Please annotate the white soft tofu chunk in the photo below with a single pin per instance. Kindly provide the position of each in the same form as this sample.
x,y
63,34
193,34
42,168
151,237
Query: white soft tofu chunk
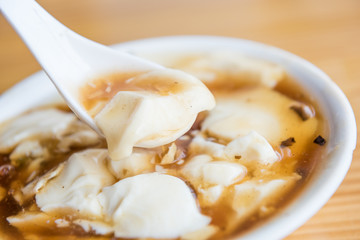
x,y
151,205
220,67
80,135
200,145
252,147
38,183
40,124
262,110
253,195
75,188
45,124
140,161
170,155
157,115
209,196
28,149
201,169
98,226
32,221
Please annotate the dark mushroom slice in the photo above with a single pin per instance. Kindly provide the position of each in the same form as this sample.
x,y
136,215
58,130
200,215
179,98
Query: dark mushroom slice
x,y
320,140
304,111
288,142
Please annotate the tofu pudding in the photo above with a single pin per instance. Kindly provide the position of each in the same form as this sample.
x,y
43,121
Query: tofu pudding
x,y
193,171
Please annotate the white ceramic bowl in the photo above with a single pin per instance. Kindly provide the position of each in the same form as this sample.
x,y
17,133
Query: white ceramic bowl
x,y
37,90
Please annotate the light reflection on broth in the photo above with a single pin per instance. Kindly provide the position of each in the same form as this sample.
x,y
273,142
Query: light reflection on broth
x,y
98,93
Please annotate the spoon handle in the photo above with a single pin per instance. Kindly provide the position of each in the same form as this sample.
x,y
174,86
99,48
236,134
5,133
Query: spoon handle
x,y
69,59
55,48
64,54
47,39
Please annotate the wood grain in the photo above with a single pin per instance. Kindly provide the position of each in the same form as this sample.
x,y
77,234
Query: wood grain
x,y
327,33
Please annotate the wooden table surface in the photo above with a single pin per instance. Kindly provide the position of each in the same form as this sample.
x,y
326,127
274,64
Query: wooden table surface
x,y
325,32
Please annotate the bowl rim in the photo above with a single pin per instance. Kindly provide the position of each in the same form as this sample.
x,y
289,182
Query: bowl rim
x,y
336,107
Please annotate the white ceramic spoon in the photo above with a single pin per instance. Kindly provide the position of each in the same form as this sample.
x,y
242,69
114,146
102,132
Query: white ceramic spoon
x,y
68,58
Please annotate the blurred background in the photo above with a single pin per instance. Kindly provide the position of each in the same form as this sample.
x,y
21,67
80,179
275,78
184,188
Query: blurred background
x,y
325,32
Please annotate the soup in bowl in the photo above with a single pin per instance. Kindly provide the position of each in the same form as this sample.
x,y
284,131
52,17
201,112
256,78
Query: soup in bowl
x,y
260,163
